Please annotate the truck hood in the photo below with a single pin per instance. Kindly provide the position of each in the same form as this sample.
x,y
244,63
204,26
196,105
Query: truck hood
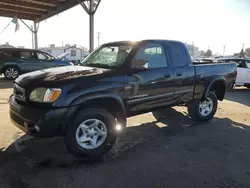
x,y
55,75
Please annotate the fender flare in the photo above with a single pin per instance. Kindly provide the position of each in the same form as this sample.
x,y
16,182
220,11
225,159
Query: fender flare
x,y
218,78
9,64
78,102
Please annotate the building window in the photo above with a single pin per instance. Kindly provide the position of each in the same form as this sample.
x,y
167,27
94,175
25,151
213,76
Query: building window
x,y
73,53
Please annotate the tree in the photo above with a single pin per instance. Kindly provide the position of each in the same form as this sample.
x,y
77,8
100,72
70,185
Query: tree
x,y
202,53
208,53
242,53
247,52
236,54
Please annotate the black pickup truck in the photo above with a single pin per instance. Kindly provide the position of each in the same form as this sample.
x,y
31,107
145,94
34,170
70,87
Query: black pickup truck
x,y
88,105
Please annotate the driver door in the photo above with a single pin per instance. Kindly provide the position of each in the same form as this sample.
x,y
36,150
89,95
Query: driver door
x,y
152,84
28,61
45,61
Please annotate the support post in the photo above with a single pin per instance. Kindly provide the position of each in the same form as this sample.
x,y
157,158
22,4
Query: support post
x,y
91,25
32,33
35,35
90,6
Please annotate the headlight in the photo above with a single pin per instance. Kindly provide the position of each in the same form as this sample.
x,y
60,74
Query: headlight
x,y
71,63
45,94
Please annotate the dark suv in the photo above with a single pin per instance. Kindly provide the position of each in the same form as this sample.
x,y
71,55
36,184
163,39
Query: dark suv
x,y
16,61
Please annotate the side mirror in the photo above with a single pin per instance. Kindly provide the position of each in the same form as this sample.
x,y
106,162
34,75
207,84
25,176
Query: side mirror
x,y
140,64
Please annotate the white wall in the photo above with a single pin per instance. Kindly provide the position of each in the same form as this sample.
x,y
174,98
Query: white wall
x,y
54,52
58,51
78,54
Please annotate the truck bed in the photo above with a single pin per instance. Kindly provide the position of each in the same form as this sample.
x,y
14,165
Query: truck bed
x,y
205,72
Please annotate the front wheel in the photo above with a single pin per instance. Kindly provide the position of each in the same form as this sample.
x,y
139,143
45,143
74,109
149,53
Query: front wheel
x,y
203,110
11,73
91,134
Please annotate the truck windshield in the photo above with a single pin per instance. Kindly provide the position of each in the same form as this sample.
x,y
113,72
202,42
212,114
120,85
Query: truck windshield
x,y
108,56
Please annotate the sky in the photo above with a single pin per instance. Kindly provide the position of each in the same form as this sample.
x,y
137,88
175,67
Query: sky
x,y
212,23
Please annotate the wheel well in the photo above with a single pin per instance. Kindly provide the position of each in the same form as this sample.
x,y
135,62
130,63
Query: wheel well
x,y
111,105
7,66
220,88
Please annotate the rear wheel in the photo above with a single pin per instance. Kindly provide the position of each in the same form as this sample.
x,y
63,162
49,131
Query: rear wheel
x,y
230,86
91,134
203,110
11,73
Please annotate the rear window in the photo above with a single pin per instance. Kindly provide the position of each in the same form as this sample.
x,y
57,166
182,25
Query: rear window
x,y
10,54
248,64
178,54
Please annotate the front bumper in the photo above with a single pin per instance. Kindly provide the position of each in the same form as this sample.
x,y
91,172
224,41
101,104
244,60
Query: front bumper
x,y
49,122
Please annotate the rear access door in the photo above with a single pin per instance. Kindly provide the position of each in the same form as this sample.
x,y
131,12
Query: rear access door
x,y
184,73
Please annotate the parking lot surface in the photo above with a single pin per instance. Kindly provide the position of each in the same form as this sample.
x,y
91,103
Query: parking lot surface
x,y
159,149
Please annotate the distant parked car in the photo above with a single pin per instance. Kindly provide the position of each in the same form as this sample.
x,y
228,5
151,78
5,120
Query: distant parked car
x,y
16,61
243,70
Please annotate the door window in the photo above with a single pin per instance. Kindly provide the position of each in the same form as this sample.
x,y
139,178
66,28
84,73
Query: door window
x,y
150,56
73,53
41,56
6,54
248,64
28,55
11,54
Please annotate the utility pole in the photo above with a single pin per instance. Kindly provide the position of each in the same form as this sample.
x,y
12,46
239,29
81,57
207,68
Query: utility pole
x,y
98,37
35,35
224,49
193,48
243,47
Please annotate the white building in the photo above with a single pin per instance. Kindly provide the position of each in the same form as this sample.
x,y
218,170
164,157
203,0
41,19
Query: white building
x,y
75,53
7,45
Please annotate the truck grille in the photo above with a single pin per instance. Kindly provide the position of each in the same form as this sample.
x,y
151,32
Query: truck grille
x,y
19,92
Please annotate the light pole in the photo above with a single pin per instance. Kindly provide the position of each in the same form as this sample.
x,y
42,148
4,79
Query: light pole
x,y
193,48
224,49
98,37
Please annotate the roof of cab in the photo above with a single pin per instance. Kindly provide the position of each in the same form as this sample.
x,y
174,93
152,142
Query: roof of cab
x,y
145,40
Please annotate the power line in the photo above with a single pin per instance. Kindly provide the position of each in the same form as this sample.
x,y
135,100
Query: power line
x,y
5,27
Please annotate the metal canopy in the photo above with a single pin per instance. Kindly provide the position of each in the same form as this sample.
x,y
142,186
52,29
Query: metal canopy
x,y
39,10
36,10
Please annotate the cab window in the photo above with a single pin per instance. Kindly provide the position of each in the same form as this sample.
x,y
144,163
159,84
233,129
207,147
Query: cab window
x,y
44,56
150,56
28,55
41,56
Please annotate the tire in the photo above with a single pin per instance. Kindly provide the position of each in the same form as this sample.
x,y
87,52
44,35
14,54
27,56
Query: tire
x,y
230,86
194,108
11,73
83,149
247,85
